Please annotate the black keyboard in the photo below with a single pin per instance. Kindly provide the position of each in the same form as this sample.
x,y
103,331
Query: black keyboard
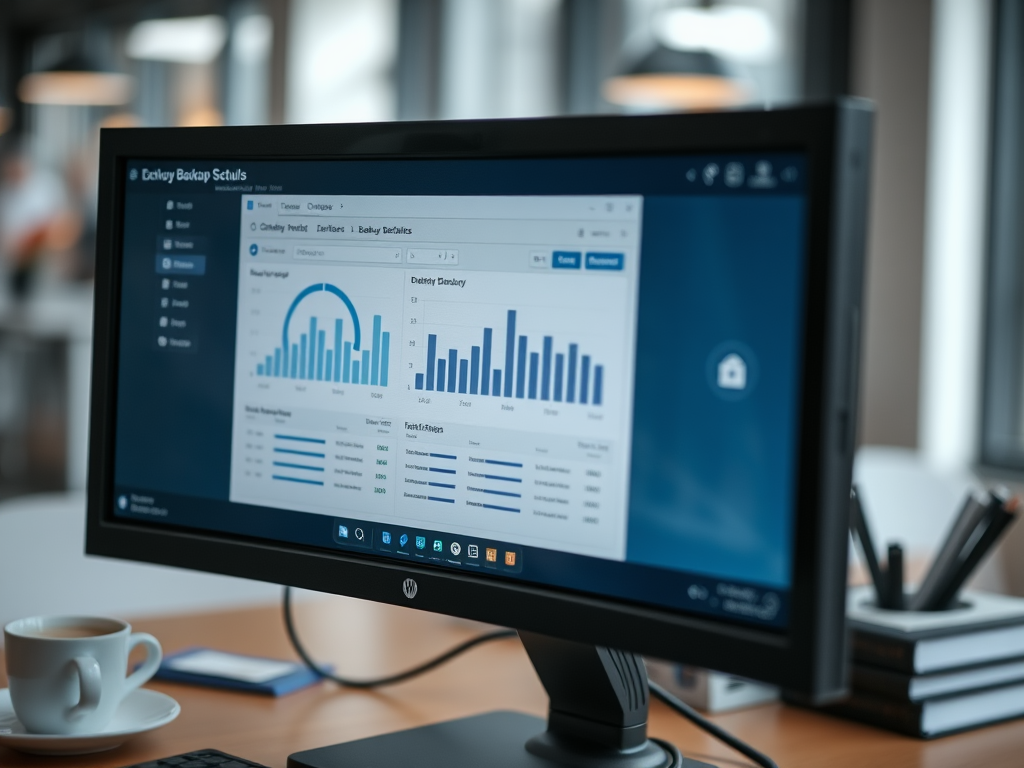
x,y
201,758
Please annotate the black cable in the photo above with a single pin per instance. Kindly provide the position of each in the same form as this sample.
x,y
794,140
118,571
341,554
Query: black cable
x,y
501,634
706,725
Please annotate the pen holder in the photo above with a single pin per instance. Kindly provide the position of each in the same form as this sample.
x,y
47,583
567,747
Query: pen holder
x,y
975,531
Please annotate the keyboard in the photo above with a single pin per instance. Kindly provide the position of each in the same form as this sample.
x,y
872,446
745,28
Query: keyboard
x,y
201,758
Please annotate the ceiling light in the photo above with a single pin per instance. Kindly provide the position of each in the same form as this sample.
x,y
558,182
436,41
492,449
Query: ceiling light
x,y
190,40
75,82
735,32
672,79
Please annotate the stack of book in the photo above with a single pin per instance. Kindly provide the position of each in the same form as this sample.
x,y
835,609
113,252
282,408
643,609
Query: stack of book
x,y
931,673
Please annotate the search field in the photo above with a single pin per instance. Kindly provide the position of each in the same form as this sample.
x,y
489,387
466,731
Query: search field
x,y
433,256
348,253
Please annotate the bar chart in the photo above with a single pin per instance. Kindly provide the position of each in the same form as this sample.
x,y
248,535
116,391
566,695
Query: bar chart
x,y
312,355
529,368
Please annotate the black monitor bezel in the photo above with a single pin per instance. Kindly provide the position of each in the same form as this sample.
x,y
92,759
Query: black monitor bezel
x,y
808,656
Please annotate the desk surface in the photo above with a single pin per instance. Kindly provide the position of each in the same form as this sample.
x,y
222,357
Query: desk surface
x,y
368,639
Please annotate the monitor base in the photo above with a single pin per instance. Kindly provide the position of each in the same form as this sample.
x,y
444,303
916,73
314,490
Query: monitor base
x,y
495,740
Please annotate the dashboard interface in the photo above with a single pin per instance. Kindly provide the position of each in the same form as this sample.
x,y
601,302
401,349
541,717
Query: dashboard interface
x,y
582,373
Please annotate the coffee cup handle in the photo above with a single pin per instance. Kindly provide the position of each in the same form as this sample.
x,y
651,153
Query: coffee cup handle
x,y
154,655
90,685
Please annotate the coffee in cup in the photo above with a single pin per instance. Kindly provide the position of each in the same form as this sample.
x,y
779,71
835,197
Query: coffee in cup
x,y
67,674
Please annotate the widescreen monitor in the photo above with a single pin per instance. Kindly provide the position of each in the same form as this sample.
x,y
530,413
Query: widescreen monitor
x,y
590,378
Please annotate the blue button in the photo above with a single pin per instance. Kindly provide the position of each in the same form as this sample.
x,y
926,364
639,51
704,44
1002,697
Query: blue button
x,y
254,249
605,261
566,259
180,265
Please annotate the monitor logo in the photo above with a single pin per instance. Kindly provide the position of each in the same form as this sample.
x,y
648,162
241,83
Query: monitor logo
x,y
409,588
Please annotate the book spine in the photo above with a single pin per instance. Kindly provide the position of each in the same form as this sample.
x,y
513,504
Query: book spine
x,y
902,717
881,682
880,651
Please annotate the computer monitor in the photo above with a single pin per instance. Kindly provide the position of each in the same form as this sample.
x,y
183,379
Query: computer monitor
x,y
590,378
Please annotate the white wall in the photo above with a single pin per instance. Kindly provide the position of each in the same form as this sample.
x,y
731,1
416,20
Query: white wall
x,y
43,570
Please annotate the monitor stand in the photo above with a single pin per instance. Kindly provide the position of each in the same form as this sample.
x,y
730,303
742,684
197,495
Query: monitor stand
x,y
597,719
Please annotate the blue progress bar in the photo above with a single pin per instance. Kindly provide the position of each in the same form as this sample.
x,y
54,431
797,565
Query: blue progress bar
x,y
499,477
301,439
503,463
444,456
447,501
503,509
502,493
300,453
297,466
442,485
446,471
298,480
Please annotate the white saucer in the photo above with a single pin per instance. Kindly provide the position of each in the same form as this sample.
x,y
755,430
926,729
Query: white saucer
x,y
140,711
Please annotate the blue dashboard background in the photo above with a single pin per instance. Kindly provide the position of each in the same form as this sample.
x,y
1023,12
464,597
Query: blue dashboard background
x,y
712,479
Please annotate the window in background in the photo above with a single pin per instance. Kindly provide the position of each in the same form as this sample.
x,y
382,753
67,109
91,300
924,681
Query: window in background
x,y
341,55
1003,421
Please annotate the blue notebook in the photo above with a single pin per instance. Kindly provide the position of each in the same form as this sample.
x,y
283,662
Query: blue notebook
x,y
219,669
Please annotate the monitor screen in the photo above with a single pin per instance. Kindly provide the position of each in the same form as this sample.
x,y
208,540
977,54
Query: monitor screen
x,y
576,373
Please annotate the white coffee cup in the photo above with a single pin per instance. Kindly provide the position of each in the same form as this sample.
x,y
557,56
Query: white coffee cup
x,y
67,674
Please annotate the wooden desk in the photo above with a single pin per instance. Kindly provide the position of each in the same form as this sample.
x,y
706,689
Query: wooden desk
x,y
368,639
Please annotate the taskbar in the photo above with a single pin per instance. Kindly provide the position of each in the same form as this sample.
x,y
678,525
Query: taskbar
x,y
739,602
428,546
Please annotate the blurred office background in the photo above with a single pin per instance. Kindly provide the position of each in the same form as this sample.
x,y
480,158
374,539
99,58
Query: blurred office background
x,y
943,341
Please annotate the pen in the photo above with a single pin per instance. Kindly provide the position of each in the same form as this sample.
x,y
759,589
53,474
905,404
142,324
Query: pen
x,y
894,578
945,559
999,513
859,525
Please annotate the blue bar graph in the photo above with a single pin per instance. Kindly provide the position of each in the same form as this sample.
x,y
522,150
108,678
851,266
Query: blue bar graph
x,y
584,378
570,384
521,369
336,372
312,358
474,370
320,336
375,370
486,374
532,371
312,347
510,345
559,369
431,355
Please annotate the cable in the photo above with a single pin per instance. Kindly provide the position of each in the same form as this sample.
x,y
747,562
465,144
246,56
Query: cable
x,y
501,634
706,725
